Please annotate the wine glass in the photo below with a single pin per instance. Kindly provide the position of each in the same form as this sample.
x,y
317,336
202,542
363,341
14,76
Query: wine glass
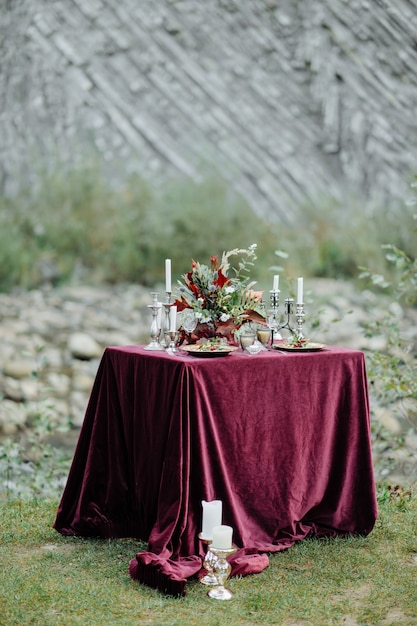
x,y
189,322
272,321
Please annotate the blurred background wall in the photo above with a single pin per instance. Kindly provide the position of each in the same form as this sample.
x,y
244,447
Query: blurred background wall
x,y
284,100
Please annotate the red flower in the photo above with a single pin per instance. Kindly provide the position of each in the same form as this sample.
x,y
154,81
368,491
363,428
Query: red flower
x,y
221,279
214,261
181,304
189,282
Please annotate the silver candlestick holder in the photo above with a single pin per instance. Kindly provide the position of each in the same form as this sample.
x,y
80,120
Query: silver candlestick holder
x,y
289,309
273,315
221,569
300,315
155,326
208,563
274,299
172,336
166,322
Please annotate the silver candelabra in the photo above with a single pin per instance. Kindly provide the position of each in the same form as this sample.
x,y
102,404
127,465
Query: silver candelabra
x,y
273,317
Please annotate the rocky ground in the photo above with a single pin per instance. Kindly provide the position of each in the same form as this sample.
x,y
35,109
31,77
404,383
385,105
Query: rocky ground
x,y
52,341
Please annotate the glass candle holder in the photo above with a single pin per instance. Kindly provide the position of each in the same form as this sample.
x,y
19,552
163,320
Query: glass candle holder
x,y
221,569
208,563
247,339
264,335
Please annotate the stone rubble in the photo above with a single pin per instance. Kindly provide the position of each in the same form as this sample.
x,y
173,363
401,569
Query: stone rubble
x,y
52,340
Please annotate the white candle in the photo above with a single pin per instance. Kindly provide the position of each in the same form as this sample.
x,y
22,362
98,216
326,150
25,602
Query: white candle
x,y
212,516
276,283
222,537
168,275
300,291
172,318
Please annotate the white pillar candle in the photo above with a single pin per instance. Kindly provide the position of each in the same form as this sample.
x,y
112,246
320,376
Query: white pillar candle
x,y
212,516
276,283
168,275
300,291
222,537
172,318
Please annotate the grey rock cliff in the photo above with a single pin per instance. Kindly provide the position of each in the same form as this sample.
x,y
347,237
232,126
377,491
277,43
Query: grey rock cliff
x,y
287,101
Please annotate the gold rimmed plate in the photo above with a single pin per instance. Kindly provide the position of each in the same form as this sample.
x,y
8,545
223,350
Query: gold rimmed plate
x,y
308,347
201,350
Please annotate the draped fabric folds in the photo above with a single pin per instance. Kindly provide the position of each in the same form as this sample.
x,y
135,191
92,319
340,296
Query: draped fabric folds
x,y
282,439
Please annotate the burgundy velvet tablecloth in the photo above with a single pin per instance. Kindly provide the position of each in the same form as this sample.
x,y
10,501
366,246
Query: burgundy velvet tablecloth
x,y
283,439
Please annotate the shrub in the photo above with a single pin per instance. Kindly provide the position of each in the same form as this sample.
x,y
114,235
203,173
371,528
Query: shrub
x,y
74,225
394,371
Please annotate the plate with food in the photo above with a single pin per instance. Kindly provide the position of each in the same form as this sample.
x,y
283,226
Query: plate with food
x,y
210,348
303,345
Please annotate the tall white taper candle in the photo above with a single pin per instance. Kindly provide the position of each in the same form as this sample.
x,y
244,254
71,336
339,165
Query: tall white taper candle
x,y
168,275
300,291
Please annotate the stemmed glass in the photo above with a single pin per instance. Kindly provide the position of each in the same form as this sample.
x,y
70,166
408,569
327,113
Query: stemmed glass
x,y
189,322
272,321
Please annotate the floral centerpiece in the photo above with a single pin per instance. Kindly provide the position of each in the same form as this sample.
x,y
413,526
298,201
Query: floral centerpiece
x,y
221,295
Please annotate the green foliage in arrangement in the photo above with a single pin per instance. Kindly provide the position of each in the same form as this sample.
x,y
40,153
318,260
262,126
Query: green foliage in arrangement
x,y
74,226
53,580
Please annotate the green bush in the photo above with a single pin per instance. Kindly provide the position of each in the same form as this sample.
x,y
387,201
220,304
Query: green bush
x,y
394,371
336,238
75,226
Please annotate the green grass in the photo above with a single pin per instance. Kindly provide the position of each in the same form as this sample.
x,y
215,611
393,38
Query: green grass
x,y
48,579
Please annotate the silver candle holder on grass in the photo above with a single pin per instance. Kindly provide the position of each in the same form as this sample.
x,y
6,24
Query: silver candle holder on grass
x,y
221,570
208,562
219,547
